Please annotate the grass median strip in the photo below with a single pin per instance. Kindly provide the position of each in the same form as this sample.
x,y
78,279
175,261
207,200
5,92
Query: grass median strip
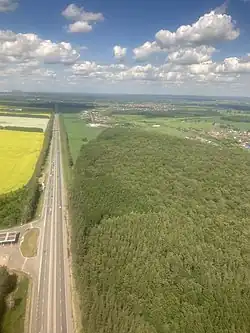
x,y
29,243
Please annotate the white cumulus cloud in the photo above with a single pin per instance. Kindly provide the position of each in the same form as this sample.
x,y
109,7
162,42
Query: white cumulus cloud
x,y
23,47
188,56
119,52
8,5
147,49
231,65
209,29
79,26
82,20
234,65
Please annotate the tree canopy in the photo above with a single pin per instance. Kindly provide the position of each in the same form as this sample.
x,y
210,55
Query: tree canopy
x,y
161,235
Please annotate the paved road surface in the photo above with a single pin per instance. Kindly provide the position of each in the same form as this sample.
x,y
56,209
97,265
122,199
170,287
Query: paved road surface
x,y
51,301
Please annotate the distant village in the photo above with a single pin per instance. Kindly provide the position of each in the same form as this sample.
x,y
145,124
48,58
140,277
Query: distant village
x,y
97,118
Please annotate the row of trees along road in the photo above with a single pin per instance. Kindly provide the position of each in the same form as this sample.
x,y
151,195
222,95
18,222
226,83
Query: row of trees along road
x,y
161,235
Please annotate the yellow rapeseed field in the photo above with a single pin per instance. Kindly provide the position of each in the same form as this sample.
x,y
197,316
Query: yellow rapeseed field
x,y
18,156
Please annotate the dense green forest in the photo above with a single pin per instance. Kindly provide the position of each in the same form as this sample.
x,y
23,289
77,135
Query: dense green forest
x,y
161,235
20,206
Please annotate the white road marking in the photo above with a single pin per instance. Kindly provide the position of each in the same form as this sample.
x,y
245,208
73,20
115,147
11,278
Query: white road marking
x,y
55,243
51,266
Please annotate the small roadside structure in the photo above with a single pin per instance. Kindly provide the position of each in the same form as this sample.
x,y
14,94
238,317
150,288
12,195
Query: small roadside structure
x,y
9,237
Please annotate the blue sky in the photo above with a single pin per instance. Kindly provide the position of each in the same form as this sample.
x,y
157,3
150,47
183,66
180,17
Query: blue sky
x,y
210,54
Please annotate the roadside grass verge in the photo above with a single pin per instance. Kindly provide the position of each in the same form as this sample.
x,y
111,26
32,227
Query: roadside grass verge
x,y
29,245
14,318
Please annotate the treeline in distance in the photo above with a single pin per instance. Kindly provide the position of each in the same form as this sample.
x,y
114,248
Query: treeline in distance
x,y
24,115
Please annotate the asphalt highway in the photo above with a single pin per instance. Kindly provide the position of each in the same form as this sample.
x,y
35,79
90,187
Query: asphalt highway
x,y
51,300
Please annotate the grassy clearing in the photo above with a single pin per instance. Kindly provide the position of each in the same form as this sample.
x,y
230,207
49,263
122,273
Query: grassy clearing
x,y
29,244
13,320
78,130
179,127
19,152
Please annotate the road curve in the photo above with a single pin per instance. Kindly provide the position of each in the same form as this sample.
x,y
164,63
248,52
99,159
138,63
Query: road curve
x,y
51,310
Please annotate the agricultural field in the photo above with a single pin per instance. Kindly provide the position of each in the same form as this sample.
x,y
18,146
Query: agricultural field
x,y
79,132
24,122
19,152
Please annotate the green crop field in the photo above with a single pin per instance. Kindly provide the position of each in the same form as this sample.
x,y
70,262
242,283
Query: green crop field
x,y
78,132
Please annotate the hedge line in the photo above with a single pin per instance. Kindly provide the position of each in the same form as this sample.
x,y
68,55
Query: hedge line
x,y
23,115
23,129
19,206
